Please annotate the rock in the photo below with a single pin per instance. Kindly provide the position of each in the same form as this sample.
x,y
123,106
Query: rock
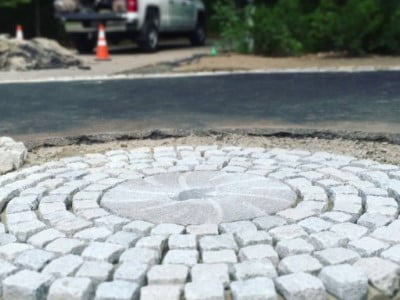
x,y
12,154
71,288
345,282
300,286
26,285
36,54
257,288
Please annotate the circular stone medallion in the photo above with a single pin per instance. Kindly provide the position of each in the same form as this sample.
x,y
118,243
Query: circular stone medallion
x,y
198,197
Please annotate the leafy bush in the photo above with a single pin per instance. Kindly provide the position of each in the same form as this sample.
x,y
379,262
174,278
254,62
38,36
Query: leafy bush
x,y
290,27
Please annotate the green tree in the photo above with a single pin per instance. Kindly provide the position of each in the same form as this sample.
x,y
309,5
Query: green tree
x,y
13,3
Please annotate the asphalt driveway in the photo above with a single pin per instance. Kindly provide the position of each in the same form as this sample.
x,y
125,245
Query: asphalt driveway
x,y
366,101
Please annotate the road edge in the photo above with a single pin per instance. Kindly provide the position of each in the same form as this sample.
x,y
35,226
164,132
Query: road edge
x,y
159,134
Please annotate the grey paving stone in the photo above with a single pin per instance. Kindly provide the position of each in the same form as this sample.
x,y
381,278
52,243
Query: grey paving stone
x,y
202,229
393,254
29,285
350,230
44,237
182,241
161,292
235,227
373,220
259,252
34,259
153,242
220,242
382,274
336,217
287,232
210,272
314,224
63,266
6,269
254,268
300,286
113,223
219,256
368,246
12,250
167,274
294,215
387,234
303,263
97,234
181,257
23,231
103,252
254,289
327,239
96,271
71,288
131,271
66,246
124,238
6,238
293,247
140,255
204,291
167,229
248,238
117,290
345,282
335,256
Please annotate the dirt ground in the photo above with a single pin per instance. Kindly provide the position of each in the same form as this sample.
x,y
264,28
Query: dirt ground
x,y
229,62
381,152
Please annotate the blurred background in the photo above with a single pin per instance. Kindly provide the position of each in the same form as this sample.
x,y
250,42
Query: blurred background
x,y
273,27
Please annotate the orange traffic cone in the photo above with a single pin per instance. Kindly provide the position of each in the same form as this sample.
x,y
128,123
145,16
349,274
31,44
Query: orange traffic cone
x,y
102,48
19,34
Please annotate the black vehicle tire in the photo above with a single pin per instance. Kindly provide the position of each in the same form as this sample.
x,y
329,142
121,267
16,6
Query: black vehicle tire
x,y
198,36
149,36
84,43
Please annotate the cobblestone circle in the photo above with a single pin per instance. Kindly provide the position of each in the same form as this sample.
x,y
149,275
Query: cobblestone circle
x,y
202,223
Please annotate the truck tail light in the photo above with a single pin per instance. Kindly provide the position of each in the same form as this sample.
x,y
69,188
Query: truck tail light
x,y
132,5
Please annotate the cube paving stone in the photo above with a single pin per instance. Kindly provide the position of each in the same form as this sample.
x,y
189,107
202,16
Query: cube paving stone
x,y
96,271
26,284
345,282
161,292
248,238
300,286
254,268
335,256
63,266
299,263
293,247
117,290
204,291
259,252
254,289
34,259
103,252
71,288
220,256
210,272
167,274
184,257
131,271
166,216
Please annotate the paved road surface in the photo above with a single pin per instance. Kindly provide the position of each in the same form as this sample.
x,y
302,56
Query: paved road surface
x,y
367,101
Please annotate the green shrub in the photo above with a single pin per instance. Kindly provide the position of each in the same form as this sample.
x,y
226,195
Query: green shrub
x,y
290,27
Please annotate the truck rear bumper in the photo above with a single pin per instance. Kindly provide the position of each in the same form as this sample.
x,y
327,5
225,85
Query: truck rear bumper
x,y
88,22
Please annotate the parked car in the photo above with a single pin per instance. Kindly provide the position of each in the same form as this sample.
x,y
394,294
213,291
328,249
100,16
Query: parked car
x,y
143,21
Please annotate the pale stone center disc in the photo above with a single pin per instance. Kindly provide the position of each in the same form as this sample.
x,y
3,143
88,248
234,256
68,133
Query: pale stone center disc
x,y
198,197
